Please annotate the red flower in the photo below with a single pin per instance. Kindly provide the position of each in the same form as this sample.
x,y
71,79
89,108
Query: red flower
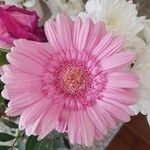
x,y
16,23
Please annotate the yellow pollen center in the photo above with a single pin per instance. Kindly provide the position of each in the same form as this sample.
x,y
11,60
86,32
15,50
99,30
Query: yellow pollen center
x,y
112,21
74,80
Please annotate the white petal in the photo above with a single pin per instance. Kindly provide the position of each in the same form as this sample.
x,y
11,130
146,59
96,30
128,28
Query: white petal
x,y
146,31
148,118
29,3
120,16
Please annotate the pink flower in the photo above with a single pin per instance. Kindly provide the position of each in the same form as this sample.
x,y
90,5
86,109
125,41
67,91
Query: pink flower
x,y
77,83
18,23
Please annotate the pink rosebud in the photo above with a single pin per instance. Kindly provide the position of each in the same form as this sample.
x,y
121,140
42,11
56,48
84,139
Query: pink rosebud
x,y
16,23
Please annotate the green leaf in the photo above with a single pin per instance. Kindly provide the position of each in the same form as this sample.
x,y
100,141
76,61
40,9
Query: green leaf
x,y
2,103
45,144
21,145
1,85
9,123
31,143
52,146
3,59
2,100
66,142
4,147
6,137
4,50
59,143
54,134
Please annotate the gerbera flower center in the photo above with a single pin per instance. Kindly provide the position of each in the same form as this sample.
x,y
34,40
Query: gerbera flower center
x,y
74,79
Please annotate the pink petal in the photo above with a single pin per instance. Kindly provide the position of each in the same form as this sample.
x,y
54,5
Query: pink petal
x,y
51,34
115,111
114,47
101,120
117,60
125,97
79,123
103,44
33,112
63,30
49,120
22,62
25,99
41,52
31,129
84,33
13,112
122,80
96,34
63,121
76,31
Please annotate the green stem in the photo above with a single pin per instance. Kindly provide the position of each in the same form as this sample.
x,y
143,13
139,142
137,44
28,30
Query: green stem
x,y
17,135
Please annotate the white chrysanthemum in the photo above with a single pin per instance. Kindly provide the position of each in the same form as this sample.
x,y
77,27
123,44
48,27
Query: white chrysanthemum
x,y
119,15
28,3
146,31
136,45
142,68
73,7
13,2
70,7
21,3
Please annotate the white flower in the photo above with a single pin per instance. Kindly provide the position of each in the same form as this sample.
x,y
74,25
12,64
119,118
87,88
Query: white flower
x,y
70,7
73,7
142,68
146,31
21,3
42,9
136,45
13,2
28,3
119,15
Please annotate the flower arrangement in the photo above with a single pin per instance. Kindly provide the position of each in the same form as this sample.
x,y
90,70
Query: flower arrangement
x,y
71,71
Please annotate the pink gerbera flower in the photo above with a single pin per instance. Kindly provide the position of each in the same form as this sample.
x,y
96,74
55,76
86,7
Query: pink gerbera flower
x,y
77,83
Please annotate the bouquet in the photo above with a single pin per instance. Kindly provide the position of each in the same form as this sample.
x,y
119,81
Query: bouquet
x,y
71,70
